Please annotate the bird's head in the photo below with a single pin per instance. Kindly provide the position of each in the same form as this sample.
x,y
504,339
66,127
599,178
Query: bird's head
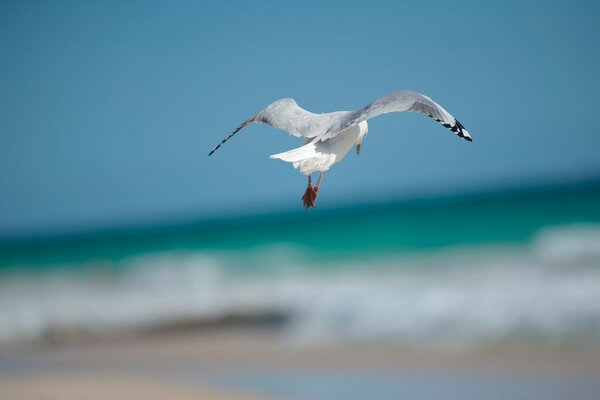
x,y
362,134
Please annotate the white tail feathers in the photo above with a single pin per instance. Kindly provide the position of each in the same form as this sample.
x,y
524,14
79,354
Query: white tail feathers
x,y
298,154
307,158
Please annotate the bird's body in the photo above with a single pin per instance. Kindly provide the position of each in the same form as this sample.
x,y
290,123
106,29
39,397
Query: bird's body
x,y
328,137
318,156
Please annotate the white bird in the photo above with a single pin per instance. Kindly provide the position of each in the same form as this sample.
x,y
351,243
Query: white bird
x,y
329,137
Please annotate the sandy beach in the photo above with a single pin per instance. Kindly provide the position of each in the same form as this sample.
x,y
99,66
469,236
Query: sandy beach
x,y
259,364
100,385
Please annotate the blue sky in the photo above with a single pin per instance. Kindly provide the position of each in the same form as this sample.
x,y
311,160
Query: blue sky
x,y
108,109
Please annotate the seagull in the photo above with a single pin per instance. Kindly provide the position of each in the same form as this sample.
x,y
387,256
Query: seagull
x,y
328,137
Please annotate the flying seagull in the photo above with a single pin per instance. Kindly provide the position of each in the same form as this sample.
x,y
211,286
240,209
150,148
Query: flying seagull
x,y
329,137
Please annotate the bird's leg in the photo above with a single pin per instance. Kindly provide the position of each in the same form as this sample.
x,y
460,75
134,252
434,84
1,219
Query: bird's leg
x,y
319,182
310,196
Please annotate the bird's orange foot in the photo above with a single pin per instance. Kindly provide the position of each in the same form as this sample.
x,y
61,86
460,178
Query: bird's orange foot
x,y
310,196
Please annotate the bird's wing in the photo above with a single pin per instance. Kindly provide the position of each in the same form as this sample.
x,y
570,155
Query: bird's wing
x,y
401,101
239,128
287,115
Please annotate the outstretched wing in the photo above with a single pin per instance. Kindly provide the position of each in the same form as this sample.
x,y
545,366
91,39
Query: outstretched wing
x,y
239,128
401,101
287,115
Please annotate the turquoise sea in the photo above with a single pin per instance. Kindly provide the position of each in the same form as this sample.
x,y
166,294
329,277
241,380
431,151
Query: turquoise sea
x,y
461,269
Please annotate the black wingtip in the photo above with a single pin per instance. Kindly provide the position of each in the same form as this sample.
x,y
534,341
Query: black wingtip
x,y
239,128
468,139
217,147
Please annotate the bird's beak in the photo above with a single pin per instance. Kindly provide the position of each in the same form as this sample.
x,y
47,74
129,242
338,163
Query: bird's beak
x,y
357,148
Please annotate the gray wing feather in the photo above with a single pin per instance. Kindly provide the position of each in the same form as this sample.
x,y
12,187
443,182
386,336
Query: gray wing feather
x,y
401,101
239,128
287,115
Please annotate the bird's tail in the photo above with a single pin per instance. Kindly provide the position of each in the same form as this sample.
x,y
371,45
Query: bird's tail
x,y
308,150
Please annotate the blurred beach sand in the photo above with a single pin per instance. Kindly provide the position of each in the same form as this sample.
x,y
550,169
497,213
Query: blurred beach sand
x,y
100,385
258,364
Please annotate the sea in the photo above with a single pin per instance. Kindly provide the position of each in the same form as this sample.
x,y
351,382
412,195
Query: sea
x,y
455,270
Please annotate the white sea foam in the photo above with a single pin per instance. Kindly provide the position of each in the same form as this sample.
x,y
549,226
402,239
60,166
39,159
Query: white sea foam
x,y
569,245
460,295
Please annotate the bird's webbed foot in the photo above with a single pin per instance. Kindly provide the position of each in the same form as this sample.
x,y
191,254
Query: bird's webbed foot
x,y
310,196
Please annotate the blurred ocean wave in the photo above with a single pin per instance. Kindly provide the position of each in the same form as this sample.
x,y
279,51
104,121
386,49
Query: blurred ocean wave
x,y
569,245
547,288
520,265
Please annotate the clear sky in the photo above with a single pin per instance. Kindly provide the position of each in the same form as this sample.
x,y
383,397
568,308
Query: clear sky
x,y
108,109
